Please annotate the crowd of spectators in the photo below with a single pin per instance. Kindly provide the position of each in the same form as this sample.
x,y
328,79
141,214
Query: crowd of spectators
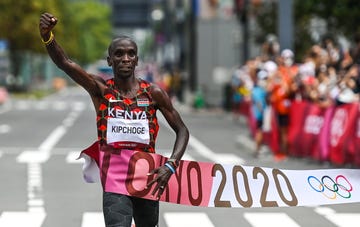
x,y
327,75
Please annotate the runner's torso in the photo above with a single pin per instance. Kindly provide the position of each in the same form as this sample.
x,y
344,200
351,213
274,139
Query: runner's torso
x,y
127,123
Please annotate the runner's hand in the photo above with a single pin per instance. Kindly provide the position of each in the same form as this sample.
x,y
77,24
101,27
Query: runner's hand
x,y
163,175
46,24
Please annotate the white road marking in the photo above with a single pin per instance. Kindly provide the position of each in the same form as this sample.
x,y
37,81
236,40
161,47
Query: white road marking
x,y
93,219
72,156
60,105
5,107
41,105
35,197
53,138
193,219
5,129
79,106
265,219
18,219
339,219
33,157
23,105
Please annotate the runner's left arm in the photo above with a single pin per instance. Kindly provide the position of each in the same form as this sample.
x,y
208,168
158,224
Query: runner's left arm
x,y
173,118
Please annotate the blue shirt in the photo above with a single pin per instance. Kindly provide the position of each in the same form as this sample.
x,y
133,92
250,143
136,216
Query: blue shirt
x,y
258,97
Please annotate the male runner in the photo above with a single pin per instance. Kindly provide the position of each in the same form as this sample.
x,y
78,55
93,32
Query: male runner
x,y
126,119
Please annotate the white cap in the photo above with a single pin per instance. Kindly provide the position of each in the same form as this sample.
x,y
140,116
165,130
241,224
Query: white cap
x,y
307,69
287,53
262,74
270,66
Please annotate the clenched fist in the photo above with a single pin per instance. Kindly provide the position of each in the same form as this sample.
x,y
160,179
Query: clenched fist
x,y
46,24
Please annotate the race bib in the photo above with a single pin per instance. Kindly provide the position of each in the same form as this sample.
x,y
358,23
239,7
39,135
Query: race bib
x,y
125,130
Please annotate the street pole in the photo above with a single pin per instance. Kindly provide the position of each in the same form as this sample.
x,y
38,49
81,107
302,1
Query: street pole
x,y
193,46
245,25
286,24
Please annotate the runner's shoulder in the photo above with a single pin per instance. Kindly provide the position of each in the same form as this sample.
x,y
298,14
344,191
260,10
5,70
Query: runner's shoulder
x,y
98,79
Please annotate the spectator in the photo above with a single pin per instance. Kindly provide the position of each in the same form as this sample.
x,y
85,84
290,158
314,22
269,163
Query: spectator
x,y
346,87
335,54
288,71
258,105
279,92
324,86
270,48
236,97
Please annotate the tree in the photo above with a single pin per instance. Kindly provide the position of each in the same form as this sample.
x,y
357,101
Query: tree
x,y
84,35
339,15
87,33
19,26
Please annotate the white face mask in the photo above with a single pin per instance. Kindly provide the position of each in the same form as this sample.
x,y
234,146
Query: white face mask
x,y
262,83
288,61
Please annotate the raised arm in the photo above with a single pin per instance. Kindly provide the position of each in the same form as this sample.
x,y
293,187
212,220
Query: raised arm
x,y
57,54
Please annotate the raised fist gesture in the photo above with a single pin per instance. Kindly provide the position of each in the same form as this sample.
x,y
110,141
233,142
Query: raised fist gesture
x,y
46,24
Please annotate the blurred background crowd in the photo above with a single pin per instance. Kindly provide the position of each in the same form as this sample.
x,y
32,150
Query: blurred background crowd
x,y
327,76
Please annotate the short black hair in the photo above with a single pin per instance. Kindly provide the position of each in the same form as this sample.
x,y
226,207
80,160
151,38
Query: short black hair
x,y
121,37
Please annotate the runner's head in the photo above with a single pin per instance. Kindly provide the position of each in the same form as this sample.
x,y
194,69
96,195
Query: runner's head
x,y
123,56
120,38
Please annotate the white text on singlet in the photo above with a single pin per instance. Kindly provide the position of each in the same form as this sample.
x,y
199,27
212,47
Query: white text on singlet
x,y
127,126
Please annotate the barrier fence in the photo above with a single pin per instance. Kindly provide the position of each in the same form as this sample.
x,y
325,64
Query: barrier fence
x,y
325,134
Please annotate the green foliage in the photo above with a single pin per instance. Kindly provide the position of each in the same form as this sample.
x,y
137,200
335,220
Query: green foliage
x,y
341,17
19,22
266,19
84,28
88,30
339,14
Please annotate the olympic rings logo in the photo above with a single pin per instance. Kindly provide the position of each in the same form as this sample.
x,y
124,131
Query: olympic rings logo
x,y
331,188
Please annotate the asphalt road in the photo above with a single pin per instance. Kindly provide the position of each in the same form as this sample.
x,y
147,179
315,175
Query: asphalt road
x,y
42,186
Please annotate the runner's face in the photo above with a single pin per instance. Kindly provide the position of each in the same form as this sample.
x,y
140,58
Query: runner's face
x,y
123,58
